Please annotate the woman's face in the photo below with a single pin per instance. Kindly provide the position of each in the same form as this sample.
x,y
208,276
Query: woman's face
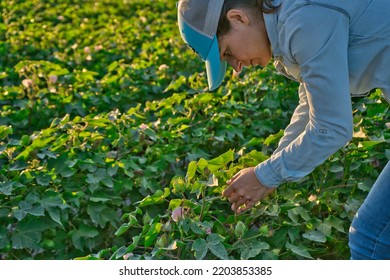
x,y
247,43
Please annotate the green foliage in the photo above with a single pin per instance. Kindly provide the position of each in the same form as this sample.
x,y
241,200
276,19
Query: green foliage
x,y
112,148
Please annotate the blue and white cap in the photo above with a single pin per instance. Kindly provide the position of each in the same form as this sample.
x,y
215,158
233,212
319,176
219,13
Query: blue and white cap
x,y
198,23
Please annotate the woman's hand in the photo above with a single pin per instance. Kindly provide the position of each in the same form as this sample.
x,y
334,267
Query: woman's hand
x,y
244,190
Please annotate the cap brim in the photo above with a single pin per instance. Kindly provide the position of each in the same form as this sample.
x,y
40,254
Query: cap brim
x,y
215,68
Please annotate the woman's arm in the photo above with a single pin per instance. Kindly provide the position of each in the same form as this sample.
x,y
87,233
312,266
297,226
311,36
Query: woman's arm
x,y
317,39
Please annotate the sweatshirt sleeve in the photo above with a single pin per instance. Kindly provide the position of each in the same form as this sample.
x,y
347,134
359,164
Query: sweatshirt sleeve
x,y
298,121
316,38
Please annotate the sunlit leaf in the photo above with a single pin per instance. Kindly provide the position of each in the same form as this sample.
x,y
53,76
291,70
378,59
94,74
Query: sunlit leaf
x,y
220,161
152,233
191,171
157,198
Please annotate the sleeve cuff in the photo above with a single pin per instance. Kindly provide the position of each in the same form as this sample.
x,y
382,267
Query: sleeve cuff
x,y
267,176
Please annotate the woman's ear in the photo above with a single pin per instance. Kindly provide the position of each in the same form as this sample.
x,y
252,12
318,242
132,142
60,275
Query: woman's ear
x,y
236,16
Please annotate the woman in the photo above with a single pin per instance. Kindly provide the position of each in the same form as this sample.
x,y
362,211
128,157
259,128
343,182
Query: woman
x,y
335,49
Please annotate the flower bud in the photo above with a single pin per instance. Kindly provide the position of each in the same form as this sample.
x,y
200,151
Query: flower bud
x,y
177,214
28,83
98,48
53,79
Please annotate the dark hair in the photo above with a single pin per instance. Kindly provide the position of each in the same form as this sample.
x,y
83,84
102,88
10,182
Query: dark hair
x,y
264,6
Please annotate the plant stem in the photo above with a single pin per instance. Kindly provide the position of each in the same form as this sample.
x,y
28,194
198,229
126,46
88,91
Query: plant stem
x,y
203,204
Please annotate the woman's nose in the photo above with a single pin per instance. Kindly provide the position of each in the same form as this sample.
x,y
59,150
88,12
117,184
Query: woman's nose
x,y
236,64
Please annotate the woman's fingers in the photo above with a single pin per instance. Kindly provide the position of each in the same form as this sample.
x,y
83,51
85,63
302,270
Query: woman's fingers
x,y
242,205
238,203
234,197
229,182
231,189
248,205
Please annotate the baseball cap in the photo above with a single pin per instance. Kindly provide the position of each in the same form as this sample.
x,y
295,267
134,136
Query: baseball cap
x,y
198,23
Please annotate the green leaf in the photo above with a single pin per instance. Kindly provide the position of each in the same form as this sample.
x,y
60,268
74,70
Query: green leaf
x,y
112,170
194,226
365,185
18,166
214,239
19,214
252,249
203,97
67,172
77,241
21,240
43,179
315,236
39,142
158,197
370,144
273,138
124,227
200,247
87,258
336,168
27,208
220,161
36,211
191,171
101,214
3,237
293,233
133,245
113,66
52,199
296,212
325,228
174,203
107,182
7,188
149,132
99,199
55,215
5,131
196,186
28,233
119,253
259,156
293,215
88,231
299,250
152,233
303,213
3,75
202,164
254,142
4,212
218,250
184,225
387,153
335,223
